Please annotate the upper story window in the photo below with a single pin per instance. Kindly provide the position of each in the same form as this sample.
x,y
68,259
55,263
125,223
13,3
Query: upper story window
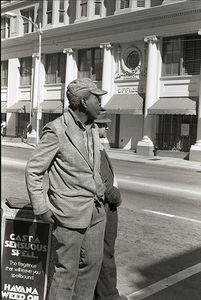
x,y
49,11
25,70
55,68
61,11
4,73
83,5
98,4
124,4
140,3
181,55
5,28
90,63
28,15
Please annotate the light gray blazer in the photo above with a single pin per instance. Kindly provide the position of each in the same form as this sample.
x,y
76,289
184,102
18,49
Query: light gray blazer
x,y
73,180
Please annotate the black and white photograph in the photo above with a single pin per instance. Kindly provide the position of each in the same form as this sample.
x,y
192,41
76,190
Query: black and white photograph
x,y
101,149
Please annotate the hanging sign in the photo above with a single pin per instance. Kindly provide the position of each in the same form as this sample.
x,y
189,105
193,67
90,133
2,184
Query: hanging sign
x,y
185,129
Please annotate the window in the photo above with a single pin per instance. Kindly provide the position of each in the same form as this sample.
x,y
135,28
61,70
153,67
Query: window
x,y
124,4
181,55
25,70
98,7
55,68
140,3
192,55
83,5
49,11
90,63
61,11
5,28
28,15
4,73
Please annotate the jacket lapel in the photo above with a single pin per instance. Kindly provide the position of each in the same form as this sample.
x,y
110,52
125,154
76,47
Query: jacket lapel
x,y
75,135
97,146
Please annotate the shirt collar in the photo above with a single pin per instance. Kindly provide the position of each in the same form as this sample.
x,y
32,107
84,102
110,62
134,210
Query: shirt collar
x,y
77,120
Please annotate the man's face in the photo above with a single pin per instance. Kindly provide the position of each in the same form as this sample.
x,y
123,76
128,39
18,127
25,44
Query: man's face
x,y
102,130
93,106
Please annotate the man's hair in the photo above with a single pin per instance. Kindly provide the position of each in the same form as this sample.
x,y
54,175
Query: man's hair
x,y
74,100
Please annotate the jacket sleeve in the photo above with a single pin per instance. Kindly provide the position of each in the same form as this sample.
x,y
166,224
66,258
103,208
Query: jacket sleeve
x,y
36,168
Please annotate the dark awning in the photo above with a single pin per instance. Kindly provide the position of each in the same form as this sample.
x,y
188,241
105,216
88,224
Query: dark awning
x,y
174,106
3,107
19,107
125,104
51,106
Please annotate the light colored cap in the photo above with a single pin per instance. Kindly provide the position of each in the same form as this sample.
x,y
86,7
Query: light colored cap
x,y
80,87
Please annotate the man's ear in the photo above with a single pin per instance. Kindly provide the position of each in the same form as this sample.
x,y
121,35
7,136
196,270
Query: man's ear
x,y
83,102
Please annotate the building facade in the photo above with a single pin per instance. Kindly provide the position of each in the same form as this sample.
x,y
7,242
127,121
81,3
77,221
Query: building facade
x,y
145,53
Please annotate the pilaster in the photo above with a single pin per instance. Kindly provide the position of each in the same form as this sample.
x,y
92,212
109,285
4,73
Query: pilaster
x,y
145,146
107,72
71,70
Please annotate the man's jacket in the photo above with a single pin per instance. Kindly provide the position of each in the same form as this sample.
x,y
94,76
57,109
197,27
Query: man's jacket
x,y
74,182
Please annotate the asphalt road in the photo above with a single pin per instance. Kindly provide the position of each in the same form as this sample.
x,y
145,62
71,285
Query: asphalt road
x,y
158,244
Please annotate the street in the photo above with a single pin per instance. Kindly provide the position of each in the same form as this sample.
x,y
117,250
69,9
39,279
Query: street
x,y
158,249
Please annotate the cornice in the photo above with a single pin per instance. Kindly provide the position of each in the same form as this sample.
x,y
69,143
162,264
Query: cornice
x,y
101,30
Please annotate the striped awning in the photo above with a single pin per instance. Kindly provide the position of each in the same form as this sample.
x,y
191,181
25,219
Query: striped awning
x,y
19,107
125,104
174,106
51,106
3,107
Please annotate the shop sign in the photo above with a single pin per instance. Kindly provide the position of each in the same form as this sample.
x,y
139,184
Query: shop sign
x,y
25,259
185,129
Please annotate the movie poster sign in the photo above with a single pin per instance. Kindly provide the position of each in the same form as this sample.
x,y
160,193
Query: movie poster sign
x,y
25,259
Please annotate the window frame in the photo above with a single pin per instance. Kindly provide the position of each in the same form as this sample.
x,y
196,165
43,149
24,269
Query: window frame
x,y
4,73
83,8
25,75
49,12
30,15
182,60
94,70
6,28
57,76
61,11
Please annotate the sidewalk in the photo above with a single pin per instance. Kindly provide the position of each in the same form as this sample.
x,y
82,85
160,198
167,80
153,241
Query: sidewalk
x,y
129,155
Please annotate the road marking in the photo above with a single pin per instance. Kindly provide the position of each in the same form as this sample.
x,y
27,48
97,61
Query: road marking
x,y
165,283
171,216
159,187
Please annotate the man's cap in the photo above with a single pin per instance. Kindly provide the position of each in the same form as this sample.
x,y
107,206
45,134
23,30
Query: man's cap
x,y
80,87
102,117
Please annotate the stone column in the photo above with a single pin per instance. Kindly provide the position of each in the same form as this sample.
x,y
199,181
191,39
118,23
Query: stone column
x,y
195,151
107,81
145,146
71,70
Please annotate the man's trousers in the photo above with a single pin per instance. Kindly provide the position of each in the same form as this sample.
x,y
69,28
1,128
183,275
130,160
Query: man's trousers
x,y
79,259
107,281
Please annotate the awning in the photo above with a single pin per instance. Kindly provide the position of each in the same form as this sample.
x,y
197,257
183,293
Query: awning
x,y
20,107
125,104
51,106
3,107
173,106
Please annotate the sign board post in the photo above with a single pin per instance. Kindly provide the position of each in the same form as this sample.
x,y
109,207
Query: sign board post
x,y
25,255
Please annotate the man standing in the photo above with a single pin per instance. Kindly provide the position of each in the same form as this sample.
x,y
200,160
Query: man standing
x,y
70,151
106,288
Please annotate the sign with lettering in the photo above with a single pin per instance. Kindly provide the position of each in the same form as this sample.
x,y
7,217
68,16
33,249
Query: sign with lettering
x,y
25,259
185,129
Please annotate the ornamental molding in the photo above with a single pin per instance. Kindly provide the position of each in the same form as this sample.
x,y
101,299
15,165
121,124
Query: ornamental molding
x,y
151,38
106,46
68,51
124,72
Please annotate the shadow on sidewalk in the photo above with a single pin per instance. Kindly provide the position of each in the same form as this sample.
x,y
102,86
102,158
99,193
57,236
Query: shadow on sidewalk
x,y
186,288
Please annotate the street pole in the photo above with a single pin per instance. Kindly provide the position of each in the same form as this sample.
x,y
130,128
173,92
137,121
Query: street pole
x,y
39,86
